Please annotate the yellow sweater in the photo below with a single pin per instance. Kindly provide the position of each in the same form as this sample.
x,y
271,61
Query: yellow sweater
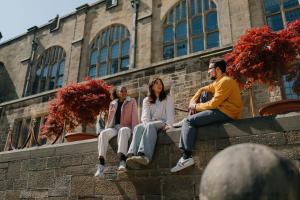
x,y
227,97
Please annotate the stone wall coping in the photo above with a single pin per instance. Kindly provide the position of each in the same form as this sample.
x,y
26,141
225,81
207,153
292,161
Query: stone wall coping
x,y
238,128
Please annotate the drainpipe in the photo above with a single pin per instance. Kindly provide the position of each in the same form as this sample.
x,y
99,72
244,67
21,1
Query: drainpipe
x,y
34,46
135,6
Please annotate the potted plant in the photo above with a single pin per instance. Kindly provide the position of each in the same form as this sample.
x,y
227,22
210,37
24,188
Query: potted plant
x,y
263,56
76,104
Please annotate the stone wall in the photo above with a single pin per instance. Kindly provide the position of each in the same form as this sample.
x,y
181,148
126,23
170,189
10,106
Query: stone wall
x,y
65,171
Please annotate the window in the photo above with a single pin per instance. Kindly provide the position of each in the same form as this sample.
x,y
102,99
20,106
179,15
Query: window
x,y
288,87
280,12
109,52
190,26
21,132
48,71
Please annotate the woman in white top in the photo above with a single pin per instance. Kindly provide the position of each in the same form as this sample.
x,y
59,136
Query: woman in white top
x,y
157,114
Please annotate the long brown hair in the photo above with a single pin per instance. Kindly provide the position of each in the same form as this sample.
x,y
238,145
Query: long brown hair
x,y
151,96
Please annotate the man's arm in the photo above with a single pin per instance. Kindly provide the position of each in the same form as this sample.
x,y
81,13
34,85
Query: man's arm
x,y
222,92
208,88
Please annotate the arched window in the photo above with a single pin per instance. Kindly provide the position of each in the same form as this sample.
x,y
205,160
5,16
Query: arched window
x,y
279,12
190,26
109,51
48,71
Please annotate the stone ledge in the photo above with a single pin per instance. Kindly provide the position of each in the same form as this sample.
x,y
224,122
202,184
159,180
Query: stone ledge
x,y
216,132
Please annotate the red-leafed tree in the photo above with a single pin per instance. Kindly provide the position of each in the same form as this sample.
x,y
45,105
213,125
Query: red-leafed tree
x,y
76,104
263,56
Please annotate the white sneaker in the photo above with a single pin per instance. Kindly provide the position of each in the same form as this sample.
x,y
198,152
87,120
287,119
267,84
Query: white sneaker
x,y
178,124
182,164
100,171
122,166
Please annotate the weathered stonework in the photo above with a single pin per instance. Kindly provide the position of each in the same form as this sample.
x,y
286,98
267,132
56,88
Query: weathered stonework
x,y
66,171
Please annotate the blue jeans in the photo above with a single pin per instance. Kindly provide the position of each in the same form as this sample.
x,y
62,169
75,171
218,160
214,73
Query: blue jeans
x,y
144,138
193,122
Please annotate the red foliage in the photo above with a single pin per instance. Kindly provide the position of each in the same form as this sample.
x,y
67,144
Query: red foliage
x,y
261,55
77,103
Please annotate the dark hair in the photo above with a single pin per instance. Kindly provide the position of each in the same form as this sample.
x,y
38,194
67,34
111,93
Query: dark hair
x,y
114,94
151,96
219,62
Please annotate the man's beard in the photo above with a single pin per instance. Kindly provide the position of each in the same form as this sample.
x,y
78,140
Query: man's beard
x,y
213,78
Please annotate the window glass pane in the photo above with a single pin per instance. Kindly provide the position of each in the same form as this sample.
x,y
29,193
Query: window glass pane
x,y
292,15
115,51
94,57
181,30
125,64
61,68
288,89
181,49
122,33
178,12
275,22
125,48
51,84
192,8
103,37
206,5
45,72
271,6
184,9
198,44
197,25
92,71
168,34
103,54
102,69
171,17
168,52
199,6
107,37
54,70
290,3
43,85
59,82
114,66
211,21
98,42
213,40
116,34
212,4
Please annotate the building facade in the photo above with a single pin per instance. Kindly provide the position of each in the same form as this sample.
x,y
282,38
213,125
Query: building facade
x,y
128,42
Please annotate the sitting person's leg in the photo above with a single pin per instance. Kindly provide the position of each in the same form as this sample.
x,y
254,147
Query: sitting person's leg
x,y
136,139
189,134
103,140
148,142
205,96
123,138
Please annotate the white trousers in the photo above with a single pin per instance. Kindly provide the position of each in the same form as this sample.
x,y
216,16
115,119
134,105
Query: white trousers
x,y
106,135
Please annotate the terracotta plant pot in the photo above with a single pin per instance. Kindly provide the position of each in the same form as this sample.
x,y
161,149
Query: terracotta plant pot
x,y
280,107
72,137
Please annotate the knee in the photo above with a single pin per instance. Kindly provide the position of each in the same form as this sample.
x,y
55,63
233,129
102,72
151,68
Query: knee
x,y
103,134
124,130
137,127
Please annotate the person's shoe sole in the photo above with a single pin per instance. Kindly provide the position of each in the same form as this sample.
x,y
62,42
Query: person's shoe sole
x,y
185,166
141,160
132,164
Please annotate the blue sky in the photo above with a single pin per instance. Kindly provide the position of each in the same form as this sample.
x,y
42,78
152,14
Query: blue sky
x,y
16,16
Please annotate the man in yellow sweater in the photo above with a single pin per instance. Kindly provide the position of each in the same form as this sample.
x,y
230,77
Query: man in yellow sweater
x,y
225,105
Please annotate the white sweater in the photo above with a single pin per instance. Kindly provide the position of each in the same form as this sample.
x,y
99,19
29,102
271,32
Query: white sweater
x,y
160,110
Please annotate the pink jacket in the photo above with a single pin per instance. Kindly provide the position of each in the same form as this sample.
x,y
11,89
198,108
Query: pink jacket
x,y
129,115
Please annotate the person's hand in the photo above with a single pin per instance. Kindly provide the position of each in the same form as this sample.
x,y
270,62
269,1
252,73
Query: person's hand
x,y
192,105
166,127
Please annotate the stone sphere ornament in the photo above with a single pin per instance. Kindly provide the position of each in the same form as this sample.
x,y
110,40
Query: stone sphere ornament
x,y
250,172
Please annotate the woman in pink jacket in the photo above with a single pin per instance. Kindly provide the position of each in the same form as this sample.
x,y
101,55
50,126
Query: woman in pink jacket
x,y
122,118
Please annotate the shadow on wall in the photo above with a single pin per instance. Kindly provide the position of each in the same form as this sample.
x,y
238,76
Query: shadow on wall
x,y
7,88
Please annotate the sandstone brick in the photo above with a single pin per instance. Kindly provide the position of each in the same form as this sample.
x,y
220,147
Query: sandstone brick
x,y
82,185
41,179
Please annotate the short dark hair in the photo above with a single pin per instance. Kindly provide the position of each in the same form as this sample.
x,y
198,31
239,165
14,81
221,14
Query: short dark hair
x,y
219,62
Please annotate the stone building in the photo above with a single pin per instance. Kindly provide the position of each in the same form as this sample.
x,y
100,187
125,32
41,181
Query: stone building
x,y
128,42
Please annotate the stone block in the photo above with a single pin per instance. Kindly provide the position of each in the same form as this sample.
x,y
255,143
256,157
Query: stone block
x,y
3,165
109,188
3,174
20,184
82,185
35,194
41,179
14,169
37,164
12,195
53,162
